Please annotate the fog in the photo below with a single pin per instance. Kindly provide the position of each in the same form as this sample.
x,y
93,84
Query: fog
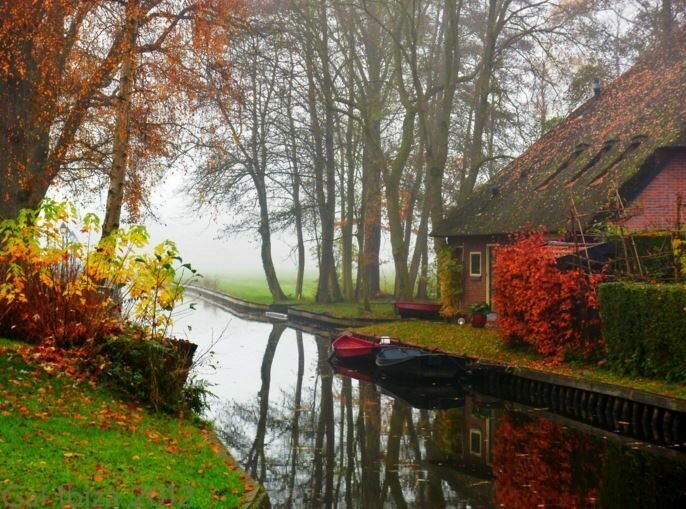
x,y
200,238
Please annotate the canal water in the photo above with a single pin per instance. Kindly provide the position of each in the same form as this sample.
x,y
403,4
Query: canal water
x,y
316,438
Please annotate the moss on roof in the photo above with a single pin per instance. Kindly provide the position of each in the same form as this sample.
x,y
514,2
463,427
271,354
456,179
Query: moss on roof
x,y
609,142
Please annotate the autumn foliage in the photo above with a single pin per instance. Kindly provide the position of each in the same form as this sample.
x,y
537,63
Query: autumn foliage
x,y
57,290
60,61
551,310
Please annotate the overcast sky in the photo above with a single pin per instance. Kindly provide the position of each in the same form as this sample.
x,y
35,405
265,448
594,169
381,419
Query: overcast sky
x,y
200,240
198,236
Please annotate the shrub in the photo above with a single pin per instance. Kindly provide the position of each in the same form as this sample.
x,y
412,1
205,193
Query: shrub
x,y
54,288
551,310
449,282
154,371
480,308
644,327
110,301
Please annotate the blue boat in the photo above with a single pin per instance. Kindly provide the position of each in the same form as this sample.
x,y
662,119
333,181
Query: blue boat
x,y
418,363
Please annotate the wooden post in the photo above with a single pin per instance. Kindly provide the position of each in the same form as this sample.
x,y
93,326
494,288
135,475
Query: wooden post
x,y
634,249
677,236
577,222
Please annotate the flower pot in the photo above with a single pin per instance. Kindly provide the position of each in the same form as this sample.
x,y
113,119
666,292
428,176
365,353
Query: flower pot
x,y
478,320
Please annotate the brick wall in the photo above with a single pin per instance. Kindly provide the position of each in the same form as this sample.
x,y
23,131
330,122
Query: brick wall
x,y
655,208
475,287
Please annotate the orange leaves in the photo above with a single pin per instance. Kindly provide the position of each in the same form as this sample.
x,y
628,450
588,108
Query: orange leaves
x,y
553,311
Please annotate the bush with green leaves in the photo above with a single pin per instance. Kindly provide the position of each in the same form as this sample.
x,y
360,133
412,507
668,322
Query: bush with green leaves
x,y
154,371
644,327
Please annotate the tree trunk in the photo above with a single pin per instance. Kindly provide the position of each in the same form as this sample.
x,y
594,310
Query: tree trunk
x,y
392,178
420,255
120,148
372,162
296,185
328,289
348,210
266,244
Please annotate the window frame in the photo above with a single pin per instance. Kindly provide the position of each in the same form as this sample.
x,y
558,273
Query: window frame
x,y
471,264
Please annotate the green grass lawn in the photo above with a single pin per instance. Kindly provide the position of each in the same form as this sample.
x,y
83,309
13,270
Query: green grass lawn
x,y
62,441
486,344
253,287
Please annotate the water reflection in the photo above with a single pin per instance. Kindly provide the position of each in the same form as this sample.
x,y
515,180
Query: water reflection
x,y
320,439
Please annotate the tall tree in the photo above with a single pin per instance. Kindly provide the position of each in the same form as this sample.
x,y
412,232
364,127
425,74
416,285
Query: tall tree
x,y
243,157
120,147
45,91
62,59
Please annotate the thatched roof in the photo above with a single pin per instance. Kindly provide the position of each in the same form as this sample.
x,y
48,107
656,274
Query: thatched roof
x,y
610,142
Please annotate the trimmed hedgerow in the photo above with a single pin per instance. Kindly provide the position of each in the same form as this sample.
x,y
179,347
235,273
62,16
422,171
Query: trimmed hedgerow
x,y
644,327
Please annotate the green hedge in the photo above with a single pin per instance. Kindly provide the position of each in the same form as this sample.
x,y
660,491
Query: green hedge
x,y
644,327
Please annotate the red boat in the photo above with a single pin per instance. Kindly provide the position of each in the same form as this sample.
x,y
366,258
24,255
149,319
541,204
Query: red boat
x,y
414,309
349,346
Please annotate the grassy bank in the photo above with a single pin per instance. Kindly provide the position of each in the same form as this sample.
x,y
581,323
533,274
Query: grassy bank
x,y
486,344
253,288
379,309
69,443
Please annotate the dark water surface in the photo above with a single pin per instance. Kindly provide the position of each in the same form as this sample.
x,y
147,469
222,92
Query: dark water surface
x,y
315,438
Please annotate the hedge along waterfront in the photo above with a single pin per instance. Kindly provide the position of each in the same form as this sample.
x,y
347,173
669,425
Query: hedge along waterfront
x,y
644,326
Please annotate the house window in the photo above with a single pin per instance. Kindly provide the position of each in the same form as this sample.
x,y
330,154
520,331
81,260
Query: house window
x,y
475,264
475,442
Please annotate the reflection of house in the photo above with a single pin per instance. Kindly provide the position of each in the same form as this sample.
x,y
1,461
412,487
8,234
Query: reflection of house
x,y
478,434
629,140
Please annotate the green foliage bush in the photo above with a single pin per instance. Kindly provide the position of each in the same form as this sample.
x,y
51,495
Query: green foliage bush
x,y
449,281
644,326
154,371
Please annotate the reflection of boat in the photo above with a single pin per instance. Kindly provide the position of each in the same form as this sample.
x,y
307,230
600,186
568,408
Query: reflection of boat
x,y
276,316
425,394
414,309
349,346
352,373
407,361
430,396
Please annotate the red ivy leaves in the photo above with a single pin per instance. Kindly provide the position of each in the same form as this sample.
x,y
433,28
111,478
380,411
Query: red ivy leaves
x,y
551,310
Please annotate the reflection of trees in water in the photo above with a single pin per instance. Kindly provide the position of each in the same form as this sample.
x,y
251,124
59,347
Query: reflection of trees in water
x,y
335,442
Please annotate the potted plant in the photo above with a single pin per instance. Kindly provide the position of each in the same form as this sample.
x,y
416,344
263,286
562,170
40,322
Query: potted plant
x,y
479,312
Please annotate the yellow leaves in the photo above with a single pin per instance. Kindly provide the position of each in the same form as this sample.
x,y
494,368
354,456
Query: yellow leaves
x,y
50,275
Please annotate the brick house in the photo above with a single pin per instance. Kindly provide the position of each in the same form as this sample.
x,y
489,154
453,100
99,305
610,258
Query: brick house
x,y
629,140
